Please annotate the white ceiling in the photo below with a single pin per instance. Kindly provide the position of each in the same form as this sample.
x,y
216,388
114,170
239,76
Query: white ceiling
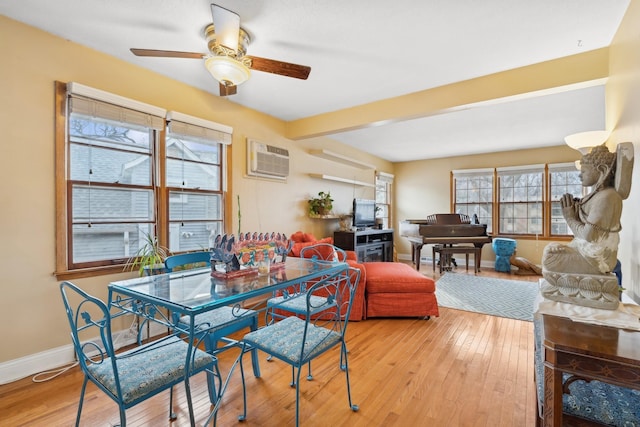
x,y
362,51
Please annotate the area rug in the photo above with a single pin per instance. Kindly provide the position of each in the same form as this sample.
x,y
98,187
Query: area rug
x,y
496,297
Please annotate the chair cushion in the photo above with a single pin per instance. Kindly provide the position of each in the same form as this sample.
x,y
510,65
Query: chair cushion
x,y
297,304
148,369
284,340
396,277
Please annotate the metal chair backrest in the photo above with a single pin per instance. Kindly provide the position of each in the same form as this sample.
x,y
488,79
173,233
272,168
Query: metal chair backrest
x,y
188,260
90,323
323,252
128,377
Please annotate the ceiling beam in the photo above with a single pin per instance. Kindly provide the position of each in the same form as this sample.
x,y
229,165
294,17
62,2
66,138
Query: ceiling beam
x,y
541,78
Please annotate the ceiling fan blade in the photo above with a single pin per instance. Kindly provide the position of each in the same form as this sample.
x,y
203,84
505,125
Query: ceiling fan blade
x,y
167,53
226,25
279,67
226,90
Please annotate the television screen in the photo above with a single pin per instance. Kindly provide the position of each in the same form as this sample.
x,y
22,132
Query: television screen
x,y
364,213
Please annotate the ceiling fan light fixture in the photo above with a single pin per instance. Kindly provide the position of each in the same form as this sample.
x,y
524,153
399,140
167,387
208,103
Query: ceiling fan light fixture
x,y
227,70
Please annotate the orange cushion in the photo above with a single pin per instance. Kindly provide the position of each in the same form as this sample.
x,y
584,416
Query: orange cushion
x,y
297,247
298,237
396,277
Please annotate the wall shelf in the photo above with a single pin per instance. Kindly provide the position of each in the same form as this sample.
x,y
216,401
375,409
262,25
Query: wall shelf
x,y
314,216
343,180
335,157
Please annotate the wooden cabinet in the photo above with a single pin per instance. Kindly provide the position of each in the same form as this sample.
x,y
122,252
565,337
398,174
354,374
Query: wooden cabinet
x,y
369,245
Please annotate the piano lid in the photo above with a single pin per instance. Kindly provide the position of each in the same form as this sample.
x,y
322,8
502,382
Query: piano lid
x,y
442,225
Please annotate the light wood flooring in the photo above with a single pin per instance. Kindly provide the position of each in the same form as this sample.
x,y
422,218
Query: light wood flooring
x,y
460,369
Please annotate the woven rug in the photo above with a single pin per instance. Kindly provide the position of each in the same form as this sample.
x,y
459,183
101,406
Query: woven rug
x,y
496,297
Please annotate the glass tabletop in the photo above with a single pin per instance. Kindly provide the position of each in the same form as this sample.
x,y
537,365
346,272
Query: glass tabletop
x,y
195,291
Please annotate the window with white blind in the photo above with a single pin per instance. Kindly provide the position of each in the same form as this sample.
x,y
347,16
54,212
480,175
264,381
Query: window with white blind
x,y
473,194
119,180
194,171
520,195
519,200
384,197
563,178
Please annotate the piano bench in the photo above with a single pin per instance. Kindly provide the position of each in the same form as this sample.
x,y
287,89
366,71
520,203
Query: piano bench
x,y
445,254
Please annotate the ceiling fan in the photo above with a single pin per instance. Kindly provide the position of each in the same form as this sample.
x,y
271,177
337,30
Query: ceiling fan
x,y
227,60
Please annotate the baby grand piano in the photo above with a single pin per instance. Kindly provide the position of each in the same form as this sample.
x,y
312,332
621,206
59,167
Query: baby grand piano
x,y
447,230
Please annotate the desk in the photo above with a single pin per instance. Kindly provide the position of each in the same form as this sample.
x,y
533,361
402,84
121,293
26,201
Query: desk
x,y
588,351
193,292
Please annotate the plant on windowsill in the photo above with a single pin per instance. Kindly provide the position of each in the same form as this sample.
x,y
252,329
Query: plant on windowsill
x,y
149,259
320,206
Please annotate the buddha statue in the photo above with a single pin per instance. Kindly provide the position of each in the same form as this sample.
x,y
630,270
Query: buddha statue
x,y
581,271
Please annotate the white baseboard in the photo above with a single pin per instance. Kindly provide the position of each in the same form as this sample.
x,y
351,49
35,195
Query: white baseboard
x,y
428,261
54,358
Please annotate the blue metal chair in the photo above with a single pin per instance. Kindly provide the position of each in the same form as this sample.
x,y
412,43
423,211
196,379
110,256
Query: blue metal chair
x,y
219,323
297,341
283,305
132,376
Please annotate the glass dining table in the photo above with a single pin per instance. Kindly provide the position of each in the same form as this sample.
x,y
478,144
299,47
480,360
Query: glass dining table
x,y
192,292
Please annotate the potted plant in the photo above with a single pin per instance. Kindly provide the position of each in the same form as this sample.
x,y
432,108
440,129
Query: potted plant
x,y
321,205
149,259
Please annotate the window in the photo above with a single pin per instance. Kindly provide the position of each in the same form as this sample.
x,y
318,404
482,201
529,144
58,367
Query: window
x,y
520,200
194,184
384,185
526,201
119,180
474,195
564,178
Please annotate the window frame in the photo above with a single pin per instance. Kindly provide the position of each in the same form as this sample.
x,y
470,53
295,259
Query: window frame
x,y
530,171
456,174
64,269
546,207
384,186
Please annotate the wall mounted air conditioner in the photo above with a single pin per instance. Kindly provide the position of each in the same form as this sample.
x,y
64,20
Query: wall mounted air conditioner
x,y
267,161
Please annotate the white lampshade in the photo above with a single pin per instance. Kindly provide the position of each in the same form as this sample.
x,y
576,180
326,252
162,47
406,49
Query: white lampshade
x,y
227,70
584,141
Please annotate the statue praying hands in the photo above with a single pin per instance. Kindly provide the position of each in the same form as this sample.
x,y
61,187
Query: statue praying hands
x,y
580,272
594,220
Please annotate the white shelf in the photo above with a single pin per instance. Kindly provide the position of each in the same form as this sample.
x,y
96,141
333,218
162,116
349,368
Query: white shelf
x,y
314,216
338,179
335,157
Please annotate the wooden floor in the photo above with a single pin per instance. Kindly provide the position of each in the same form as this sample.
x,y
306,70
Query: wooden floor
x,y
460,369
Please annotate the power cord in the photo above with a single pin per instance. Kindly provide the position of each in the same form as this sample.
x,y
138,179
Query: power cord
x,y
54,373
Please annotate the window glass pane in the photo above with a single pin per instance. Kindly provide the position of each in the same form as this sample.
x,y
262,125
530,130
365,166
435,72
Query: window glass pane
x,y
506,194
474,195
534,194
193,236
100,204
192,149
562,182
184,206
95,164
192,175
101,242
104,133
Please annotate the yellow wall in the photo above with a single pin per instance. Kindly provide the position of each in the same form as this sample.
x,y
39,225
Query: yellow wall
x,y
623,119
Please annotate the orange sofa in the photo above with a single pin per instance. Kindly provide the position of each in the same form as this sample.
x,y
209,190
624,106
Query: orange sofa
x,y
386,289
